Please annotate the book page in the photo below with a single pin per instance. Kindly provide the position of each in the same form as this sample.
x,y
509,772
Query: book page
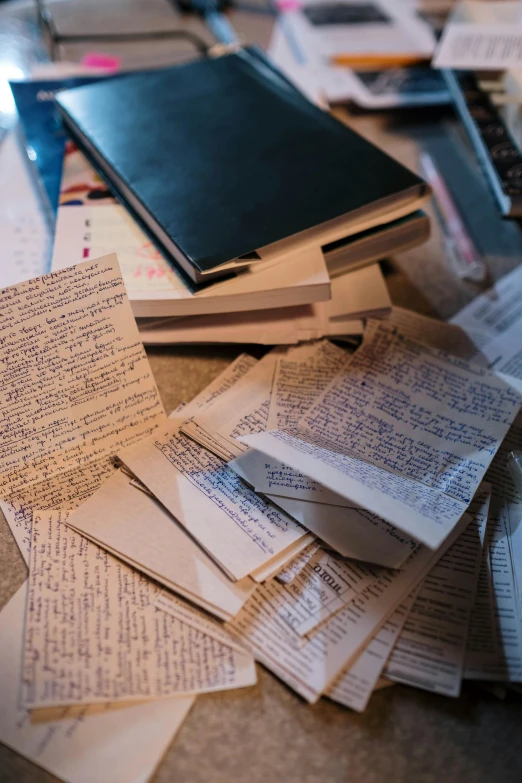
x,y
431,649
297,564
404,431
142,532
325,585
354,686
84,387
236,527
81,598
311,668
80,745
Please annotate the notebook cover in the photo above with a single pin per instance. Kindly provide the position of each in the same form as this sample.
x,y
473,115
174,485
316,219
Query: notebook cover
x,y
227,156
42,128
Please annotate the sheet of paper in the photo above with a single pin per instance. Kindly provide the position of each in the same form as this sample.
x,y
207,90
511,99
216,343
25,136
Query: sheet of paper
x,y
354,686
493,312
311,668
435,334
236,527
64,491
243,409
85,387
23,226
431,649
405,431
143,533
80,746
325,585
494,650
296,384
297,564
350,530
472,46
94,635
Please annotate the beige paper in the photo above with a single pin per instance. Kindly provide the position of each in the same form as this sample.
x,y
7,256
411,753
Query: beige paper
x,y
290,571
75,380
94,635
142,532
79,745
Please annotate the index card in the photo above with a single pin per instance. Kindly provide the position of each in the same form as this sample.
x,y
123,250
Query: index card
x,y
431,649
140,531
403,430
80,745
93,633
75,380
355,685
312,667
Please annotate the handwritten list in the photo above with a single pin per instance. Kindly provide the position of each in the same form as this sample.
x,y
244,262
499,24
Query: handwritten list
x,y
93,633
75,383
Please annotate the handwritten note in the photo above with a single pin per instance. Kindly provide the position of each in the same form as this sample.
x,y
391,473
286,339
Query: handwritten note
x,y
239,529
81,744
435,334
93,633
431,649
75,381
404,430
297,384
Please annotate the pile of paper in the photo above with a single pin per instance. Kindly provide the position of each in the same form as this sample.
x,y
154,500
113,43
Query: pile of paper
x,y
345,519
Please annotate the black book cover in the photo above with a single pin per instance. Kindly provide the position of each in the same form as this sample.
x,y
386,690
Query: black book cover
x,y
226,156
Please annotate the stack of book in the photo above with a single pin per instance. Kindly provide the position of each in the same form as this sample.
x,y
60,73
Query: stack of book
x,y
240,212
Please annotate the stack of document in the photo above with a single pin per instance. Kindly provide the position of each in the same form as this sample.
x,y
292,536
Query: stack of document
x,y
303,286
311,511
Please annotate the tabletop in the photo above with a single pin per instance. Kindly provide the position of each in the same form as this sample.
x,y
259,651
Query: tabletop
x,y
267,732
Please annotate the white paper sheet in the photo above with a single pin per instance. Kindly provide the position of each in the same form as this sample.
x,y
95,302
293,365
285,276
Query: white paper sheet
x,y
94,635
297,564
431,650
405,431
435,334
80,746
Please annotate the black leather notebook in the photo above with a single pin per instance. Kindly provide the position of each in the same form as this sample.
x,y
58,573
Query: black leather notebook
x,y
223,157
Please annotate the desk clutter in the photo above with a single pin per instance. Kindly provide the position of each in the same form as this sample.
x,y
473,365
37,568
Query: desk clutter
x,y
343,511
344,518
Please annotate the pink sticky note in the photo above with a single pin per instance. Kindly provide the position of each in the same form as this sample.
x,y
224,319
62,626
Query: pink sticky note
x,y
288,5
100,60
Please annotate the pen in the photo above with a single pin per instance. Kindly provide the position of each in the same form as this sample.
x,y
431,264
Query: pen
x,y
463,256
